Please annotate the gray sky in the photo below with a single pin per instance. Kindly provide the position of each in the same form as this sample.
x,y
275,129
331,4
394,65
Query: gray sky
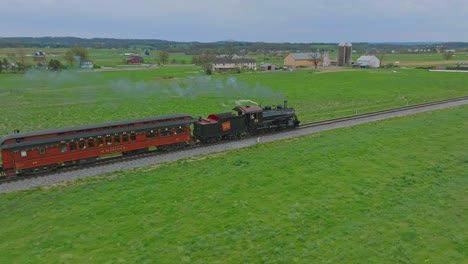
x,y
240,20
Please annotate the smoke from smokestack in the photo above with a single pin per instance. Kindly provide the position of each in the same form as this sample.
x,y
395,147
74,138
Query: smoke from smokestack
x,y
243,101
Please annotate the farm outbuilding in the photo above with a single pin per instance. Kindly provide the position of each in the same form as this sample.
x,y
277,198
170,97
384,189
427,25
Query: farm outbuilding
x,y
268,67
368,62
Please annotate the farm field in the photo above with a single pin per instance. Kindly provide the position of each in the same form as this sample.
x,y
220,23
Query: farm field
x,y
101,57
386,192
117,57
42,100
425,59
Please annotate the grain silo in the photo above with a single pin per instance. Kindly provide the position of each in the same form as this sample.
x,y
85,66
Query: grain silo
x,y
344,54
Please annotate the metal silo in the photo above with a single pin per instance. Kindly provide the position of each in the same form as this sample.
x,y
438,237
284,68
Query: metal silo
x,y
344,54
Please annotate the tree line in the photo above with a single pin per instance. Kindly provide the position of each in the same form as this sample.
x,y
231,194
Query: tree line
x,y
197,48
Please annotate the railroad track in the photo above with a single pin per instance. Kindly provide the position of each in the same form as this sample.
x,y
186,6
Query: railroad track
x,y
328,124
384,112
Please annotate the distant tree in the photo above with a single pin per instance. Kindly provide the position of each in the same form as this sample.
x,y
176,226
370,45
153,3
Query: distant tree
x,y
173,61
207,68
22,55
6,64
1,66
55,65
380,55
163,57
81,52
20,67
447,55
202,59
76,53
69,57
230,49
315,57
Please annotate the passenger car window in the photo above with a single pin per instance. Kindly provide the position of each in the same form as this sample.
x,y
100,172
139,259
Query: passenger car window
x,y
133,136
91,143
72,145
63,148
166,132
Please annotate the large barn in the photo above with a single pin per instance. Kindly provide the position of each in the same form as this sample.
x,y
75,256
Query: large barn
x,y
367,61
306,59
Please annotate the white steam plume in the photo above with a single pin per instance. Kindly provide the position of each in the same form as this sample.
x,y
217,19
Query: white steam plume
x,y
243,101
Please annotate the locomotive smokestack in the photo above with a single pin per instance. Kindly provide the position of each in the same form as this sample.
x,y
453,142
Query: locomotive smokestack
x,y
285,104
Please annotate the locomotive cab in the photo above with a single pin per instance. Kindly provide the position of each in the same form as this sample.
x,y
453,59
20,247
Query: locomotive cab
x,y
253,116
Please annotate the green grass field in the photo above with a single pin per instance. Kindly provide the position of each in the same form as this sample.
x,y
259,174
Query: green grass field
x,y
387,192
41,100
390,192
101,57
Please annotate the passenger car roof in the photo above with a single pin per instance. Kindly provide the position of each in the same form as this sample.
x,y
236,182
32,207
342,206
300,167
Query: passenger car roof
x,y
91,127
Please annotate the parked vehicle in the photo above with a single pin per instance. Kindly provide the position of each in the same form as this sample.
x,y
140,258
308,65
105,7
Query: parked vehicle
x,y
135,60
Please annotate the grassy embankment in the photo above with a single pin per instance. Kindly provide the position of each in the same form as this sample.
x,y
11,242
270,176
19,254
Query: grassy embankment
x,y
389,192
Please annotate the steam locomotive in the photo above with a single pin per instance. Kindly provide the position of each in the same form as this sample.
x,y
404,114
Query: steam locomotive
x,y
40,151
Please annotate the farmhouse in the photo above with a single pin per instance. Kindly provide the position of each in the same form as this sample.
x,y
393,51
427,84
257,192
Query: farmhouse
x,y
87,65
224,64
368,62
295,60
40,57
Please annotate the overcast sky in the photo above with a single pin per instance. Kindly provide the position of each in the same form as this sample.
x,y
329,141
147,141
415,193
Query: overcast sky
x,y
240,20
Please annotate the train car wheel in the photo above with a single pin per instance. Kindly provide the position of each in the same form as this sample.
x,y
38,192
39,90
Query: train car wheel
x,y
87,161
135,152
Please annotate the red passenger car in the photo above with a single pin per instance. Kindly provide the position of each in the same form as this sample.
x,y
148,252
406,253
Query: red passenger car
x,y
30,152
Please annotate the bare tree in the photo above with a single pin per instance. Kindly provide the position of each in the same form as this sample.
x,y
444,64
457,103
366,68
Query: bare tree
x,y
447,55
21,54
316,57
230,49
380,55
163,57
202,59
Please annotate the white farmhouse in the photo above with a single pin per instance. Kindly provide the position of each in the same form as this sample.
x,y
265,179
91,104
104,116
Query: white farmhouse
x,y
368,62
222,64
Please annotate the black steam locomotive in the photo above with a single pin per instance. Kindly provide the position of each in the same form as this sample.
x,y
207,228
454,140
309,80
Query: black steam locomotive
x,y
250,120
38,151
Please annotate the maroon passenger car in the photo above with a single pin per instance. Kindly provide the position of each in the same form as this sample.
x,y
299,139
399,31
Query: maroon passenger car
x,y
30,152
